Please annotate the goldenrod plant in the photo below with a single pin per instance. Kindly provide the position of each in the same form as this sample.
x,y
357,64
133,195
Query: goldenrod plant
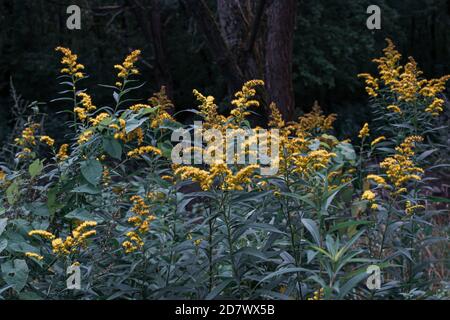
x,y
111,200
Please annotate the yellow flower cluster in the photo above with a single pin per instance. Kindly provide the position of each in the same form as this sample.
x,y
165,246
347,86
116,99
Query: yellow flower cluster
x,y
312,161
71,66
162,105
134,243
85,136
208,110
394,108
144,150
28,138
87,106
377,179
127,67
244,100
42,233
315,121
141,220
96,121
227,180
318,295
377,140
368,195
405,81
34,255
62,153
276,119
295,154
410,208
121,133
400,167
72,243
364,132
47,140
2,175
436,107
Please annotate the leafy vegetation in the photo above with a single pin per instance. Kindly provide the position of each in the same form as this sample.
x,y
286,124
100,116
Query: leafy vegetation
x,y
111,201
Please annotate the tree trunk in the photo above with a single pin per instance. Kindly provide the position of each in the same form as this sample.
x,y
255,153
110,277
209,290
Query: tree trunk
x,y
220,51
279,55
240,22
150,23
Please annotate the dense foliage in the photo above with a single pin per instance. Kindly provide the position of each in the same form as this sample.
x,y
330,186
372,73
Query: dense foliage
x,y
110,200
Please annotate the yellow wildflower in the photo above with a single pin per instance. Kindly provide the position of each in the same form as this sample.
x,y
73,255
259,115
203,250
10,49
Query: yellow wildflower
x,y
62,153
42,233
410,208
436,107
378,140
127,67
86,102
47,140
379,180
394,108
143,150
34,255
368,195
71,66
85,137
364,132
102,116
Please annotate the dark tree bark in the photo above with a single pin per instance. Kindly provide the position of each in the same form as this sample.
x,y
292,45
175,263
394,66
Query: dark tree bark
x,y
279,54
150,22
220,51
240,22
242,54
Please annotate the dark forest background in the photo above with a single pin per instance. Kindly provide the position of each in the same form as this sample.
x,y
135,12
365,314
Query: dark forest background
x,y
305,50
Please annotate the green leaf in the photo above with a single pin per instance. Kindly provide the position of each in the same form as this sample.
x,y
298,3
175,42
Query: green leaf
x,y
86,188
3,245
166,149
12,193
112,147
217,290
313,229
15,273
36,168
134,124
82,215
92,171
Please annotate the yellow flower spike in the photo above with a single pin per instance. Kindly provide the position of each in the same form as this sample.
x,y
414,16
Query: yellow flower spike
x,y
42,233
368,195
436,107
86,102
410,208
400,168
47,140
34,255
379,180
85,137
276,120
364,132
71,66
377,140
144,150
62,153
127,67
96,121
394,108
